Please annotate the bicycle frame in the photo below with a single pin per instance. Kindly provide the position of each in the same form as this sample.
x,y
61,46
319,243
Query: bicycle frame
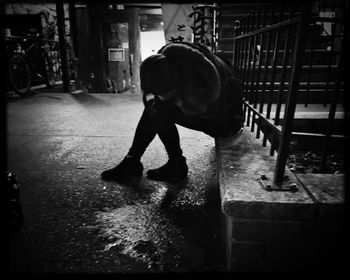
x,y
34,53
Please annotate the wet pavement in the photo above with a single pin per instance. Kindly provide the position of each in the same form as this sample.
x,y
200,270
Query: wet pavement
x,y
74,222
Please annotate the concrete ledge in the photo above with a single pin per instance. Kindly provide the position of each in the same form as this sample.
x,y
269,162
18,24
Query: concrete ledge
x,y
328,192
241,160
274,230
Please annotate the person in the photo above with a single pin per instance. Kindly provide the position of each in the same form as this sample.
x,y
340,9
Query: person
x,y
184,84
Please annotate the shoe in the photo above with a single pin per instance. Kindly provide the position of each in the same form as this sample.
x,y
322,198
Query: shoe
x,y
173,170
128,167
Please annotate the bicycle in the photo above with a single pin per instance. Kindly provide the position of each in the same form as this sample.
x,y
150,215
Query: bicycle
x,y
28,63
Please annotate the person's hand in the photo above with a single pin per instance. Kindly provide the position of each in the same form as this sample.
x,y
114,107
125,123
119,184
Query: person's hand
x,y
152,103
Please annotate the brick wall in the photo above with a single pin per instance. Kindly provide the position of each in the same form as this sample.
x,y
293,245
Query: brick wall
x,y
273,245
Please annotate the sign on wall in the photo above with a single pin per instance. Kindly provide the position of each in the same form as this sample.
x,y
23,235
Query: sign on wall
x,y
177,22
116,54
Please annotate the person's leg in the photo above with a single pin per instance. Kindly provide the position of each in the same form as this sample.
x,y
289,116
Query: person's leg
x,y
144,134
152,123
131,165
164,124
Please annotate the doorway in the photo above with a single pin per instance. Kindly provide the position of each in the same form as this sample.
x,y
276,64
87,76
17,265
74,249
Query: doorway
x,y
151,34
151,42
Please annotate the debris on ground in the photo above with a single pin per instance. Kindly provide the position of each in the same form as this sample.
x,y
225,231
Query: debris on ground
x,y
306,157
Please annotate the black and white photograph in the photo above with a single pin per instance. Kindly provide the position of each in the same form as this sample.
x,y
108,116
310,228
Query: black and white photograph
x,y
175,139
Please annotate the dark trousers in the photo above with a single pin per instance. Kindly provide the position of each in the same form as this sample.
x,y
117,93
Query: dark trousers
x,y
160,118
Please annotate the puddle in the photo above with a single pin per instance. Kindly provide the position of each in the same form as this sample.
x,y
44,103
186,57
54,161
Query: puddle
x,y
140,231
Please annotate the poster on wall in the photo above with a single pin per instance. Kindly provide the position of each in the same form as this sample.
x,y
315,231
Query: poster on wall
x,y
116,54
177,22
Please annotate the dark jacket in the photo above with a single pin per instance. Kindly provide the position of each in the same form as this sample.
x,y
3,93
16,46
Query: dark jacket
x,y
198,84
207,86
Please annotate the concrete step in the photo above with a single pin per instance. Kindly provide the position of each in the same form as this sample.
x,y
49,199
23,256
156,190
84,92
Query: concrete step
x,y
322,42
304,97
318,73
316,57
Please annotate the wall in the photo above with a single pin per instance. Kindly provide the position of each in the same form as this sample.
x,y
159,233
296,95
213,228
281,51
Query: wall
x,y
48,17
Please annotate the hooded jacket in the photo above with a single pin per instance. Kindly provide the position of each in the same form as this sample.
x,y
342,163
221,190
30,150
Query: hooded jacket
x,y
206,87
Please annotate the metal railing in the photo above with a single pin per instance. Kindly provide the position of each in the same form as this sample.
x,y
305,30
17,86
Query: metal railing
x,y
285,59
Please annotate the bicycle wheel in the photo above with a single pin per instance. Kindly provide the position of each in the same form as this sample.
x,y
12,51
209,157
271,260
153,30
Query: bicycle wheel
x,y
19,74
48,72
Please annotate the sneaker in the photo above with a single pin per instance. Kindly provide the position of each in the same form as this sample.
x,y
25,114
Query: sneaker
x,y
173,170
128,167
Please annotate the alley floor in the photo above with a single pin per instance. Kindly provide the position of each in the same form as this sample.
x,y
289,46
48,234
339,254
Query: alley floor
x,y
74,222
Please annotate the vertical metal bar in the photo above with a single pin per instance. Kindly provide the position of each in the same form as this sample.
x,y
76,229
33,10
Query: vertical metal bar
x,y
262,35
244,112
273,144
251,26
274,65
214,31
331,117
257,18
263,85
236,42
283,76
74,35
265,15
253,93
258,128
264,140
73,25
309,68
246,60
241,59
273,70
283,148
253,121
239,53
247,72
257,80
234,55
62,44
236,65
268,44
243,43
245,65
253,61
246,27
329,69
234,47
266,68
248,116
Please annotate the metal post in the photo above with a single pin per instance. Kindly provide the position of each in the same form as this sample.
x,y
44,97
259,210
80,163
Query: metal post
x,y
74,32
62,44
283,149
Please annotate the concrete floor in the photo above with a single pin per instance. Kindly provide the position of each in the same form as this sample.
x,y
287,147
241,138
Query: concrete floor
x,y
74,222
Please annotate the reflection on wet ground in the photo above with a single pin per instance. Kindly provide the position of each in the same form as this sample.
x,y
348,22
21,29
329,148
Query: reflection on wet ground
x,y
172,228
